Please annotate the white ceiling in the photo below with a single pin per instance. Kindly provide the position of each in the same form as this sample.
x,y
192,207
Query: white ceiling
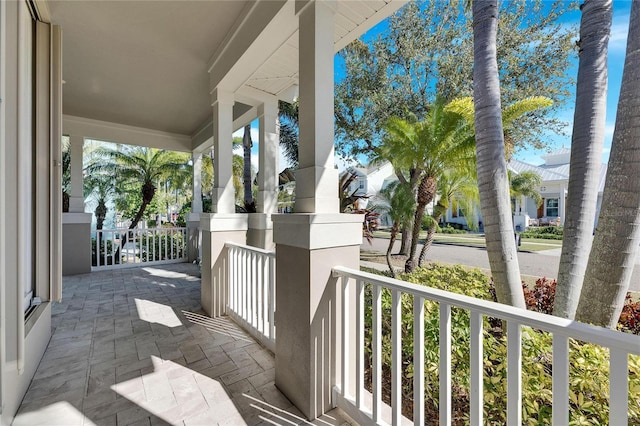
x,y
146,63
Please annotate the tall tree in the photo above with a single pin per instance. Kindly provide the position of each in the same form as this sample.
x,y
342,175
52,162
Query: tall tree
x,y
398,202
428,147
493,182
140,166
428,50
247,144
586,154
615,244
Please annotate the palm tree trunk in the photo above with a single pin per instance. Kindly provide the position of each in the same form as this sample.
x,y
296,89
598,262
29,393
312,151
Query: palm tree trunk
x,y
405,242
431,233
493,181
392,240
246,175
586,154
426,192
615,245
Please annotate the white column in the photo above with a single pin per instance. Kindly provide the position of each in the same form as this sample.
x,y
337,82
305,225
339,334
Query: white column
x,y
316,178
268,158
76,197
196,203
223,192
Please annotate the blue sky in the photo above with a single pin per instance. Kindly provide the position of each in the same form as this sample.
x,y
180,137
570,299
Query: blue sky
x,y
617,46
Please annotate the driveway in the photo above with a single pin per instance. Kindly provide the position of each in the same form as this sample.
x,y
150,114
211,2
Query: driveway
x,y
539,264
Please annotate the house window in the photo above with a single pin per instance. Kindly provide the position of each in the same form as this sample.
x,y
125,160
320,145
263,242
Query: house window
x,y
362,183
552,207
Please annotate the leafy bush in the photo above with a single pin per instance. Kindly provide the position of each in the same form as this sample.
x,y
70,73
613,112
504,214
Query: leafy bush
x,y
99,250
451,230
588,363
544,232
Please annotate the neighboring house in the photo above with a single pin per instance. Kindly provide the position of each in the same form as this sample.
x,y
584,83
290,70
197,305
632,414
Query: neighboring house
x,y
553,190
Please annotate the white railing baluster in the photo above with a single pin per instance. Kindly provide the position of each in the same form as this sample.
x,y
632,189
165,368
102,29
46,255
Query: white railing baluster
x,y
514,373
621,346
396,357
376,350
251,293
477,369
272,298
560,377
418,360
618,387
345,338
359,343
122,248
445,364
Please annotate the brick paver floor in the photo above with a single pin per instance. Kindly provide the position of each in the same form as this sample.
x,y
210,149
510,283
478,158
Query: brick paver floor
x,y
132,347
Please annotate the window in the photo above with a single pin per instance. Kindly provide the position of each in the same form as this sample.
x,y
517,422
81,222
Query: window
x,y
362,183
552,207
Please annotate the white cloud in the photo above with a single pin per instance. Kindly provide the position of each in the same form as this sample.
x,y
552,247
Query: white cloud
x,y
619,32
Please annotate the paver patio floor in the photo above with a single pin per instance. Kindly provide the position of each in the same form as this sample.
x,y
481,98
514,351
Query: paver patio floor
x,y
133,347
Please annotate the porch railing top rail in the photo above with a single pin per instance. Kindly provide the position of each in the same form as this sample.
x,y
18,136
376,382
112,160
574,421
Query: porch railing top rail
x,y
267,253
629,343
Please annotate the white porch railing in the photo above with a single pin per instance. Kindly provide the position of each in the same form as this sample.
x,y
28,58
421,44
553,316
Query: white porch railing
x,y
361,403
251,297
125,248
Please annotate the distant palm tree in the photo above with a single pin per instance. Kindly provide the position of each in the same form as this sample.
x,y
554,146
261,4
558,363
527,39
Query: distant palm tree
x,y
525,184
99,186
141,166
288,129
586,154
493,181
398,202
247,144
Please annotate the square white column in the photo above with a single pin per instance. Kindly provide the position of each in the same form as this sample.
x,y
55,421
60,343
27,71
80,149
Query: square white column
x,y
316,178
76,196
196,203
223,200
268,158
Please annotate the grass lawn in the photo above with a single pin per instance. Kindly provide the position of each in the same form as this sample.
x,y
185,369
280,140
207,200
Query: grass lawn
x,y
477,240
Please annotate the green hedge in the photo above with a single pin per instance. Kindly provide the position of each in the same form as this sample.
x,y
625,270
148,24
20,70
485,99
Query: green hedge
x,y
544,232
588,363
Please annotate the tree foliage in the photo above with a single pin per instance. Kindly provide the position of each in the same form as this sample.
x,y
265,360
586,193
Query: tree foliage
x,y
428,50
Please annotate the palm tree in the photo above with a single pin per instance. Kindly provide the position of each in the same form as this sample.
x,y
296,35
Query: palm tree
x,y
99,186
586,154
457,185
524,184
397,201
615,244
141,166
493,181
288,130
247,144
429,147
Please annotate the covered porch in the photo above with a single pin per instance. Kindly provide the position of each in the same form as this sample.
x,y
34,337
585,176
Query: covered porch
x,y
133,346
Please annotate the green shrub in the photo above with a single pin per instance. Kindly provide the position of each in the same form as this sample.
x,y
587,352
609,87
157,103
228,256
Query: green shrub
x,y
451,230
588,363
544,232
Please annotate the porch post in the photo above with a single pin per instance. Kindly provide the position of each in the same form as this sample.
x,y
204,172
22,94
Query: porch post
x,y
76,197
76,224
193,218
223,193
260,224
315,239
223,225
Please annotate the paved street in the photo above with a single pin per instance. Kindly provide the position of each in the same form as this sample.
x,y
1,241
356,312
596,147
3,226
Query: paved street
x,y
539,264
